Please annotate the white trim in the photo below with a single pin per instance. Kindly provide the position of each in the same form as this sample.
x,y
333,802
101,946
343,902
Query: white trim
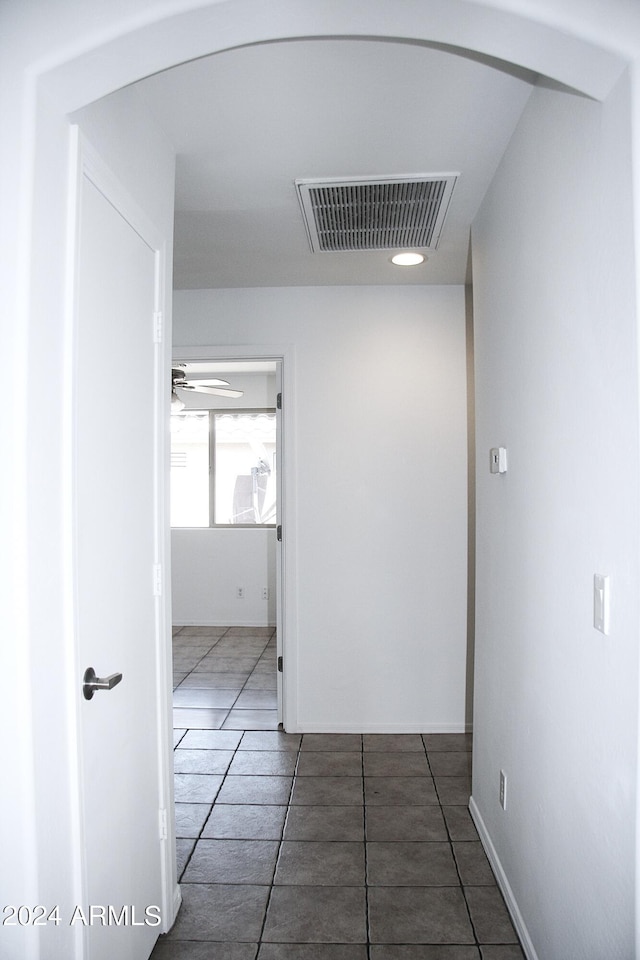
x,y
271,625
78,864
427,727
503,883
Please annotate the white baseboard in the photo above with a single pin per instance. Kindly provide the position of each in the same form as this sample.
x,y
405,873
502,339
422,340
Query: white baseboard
x,y
503,883
304,727
211,623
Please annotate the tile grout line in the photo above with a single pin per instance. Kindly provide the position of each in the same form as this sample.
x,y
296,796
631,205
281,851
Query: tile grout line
x,y
242,688
213,803
455,862
367,918
281,841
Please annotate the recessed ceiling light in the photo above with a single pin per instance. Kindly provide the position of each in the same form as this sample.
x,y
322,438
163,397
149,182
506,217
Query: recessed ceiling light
x,y
408,259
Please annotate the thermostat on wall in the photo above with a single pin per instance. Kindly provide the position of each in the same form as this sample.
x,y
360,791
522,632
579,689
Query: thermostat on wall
x,y
498,459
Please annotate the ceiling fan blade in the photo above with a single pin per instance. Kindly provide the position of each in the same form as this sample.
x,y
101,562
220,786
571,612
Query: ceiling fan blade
x,y
205,381
190,388
218,391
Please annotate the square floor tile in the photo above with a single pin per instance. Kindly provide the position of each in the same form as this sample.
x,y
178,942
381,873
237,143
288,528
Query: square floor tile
x,y
201,761
447,764
221,681
245,821
184,664
325,823
453,790
231,912
190,818
393,742
251,720
211,740
316,763
424,952
316,915
447,741
192,642
218,663
459,823
419,915
274,790
411,864
318,791
259,681
315,951
405,823
396,765
473,865
202,631
490,916
196,787
192,950
332,741
386,791
510,951
257,700
197,697
270,740
242,645
320,863
232,861
199,718
264,762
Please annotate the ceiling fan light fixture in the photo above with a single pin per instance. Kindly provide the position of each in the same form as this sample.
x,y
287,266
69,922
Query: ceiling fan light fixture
x,y
408,259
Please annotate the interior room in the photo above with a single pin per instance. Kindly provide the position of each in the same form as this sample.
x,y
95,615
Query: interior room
x,y
458,552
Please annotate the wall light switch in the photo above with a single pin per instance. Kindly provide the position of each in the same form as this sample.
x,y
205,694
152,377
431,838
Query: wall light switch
x,y
601,602
498,460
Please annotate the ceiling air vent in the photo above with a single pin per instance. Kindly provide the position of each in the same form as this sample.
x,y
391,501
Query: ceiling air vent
x,y
382,214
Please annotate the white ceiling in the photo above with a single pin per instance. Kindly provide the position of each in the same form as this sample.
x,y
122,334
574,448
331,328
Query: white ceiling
x,y
246,123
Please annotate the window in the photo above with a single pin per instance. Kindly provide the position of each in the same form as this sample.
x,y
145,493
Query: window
x,y
223,468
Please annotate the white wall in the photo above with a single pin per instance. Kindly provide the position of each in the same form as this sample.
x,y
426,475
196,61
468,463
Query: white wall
x,y
378,458
556,701
209,565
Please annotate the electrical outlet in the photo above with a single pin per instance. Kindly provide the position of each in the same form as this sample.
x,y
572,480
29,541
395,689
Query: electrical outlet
x,y
503,790
265,593
240,593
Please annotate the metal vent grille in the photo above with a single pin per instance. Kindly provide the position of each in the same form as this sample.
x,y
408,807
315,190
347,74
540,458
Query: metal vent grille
x,y
381,214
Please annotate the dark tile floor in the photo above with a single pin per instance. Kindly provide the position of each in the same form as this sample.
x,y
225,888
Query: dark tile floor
x,y
318,846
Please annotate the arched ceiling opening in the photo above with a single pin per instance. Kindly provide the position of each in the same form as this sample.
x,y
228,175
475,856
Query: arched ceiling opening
x,y
252,101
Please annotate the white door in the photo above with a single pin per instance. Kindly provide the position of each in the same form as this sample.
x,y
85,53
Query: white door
x,y
117,614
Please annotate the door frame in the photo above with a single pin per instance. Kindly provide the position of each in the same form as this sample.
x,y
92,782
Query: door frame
x,y
86,163
286,620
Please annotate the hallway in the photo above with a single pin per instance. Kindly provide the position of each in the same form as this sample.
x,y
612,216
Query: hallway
x,y
317,846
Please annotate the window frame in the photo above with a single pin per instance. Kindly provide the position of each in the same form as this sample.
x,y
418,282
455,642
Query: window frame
x,y
212,412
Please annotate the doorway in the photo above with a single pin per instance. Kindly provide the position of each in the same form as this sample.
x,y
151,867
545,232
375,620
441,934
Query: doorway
x,y
227,498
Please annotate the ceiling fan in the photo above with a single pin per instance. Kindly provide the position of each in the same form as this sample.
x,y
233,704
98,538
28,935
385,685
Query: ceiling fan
x,y
212,386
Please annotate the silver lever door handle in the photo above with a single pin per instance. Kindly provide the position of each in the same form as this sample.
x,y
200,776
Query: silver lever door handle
x,y
91,683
